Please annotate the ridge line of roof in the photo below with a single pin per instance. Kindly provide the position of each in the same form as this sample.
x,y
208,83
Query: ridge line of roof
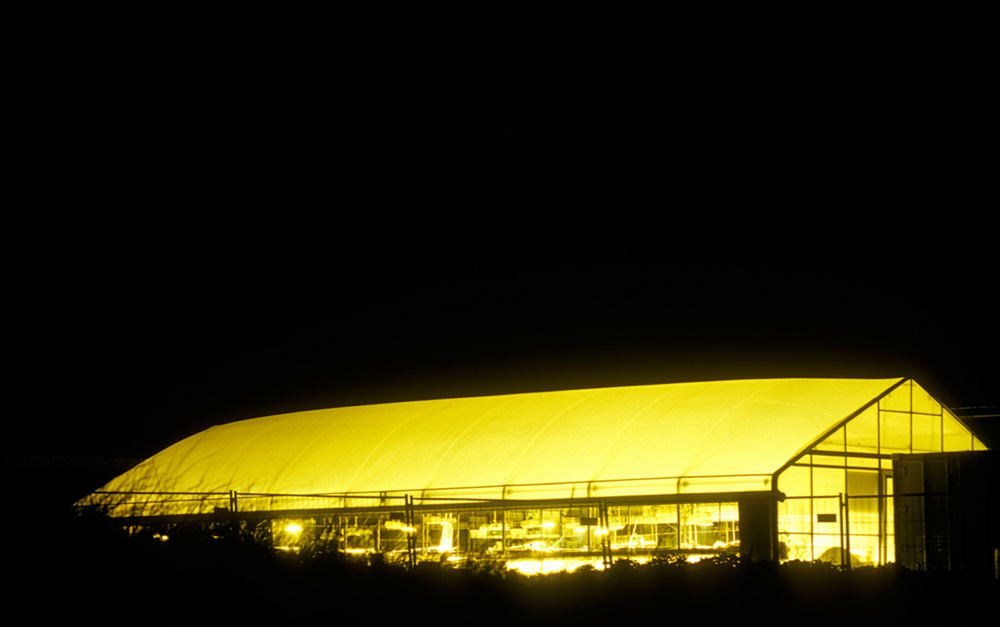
x,y
556,391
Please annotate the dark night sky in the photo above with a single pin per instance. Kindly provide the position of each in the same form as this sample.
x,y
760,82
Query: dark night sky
x,y
232,236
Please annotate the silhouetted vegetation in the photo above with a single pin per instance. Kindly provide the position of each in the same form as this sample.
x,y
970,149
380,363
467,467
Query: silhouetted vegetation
x,y
86,569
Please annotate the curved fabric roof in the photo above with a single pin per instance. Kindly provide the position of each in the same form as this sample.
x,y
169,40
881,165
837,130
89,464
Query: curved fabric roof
x,y
648,439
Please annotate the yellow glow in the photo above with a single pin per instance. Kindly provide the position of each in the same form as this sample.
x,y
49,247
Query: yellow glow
x,y
399,525
907,420
626,441
547,566
445,546
293,528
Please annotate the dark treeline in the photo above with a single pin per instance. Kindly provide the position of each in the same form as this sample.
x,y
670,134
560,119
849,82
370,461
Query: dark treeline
x,y
85,570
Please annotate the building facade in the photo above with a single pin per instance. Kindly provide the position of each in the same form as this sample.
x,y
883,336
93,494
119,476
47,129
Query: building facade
x,y
770,469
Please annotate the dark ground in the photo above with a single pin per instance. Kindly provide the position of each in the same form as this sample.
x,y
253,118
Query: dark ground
x,y
190,579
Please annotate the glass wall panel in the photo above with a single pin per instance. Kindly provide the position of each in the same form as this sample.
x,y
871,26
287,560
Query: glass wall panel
x,y
486,532
956,436
867,529
826,530
864,549
663,521
359,534
794,481
863,515
708,525
438,533
828,481
826,547
728,530
898,399
895,431
926,433
393,535
862,482
862,432
543,531
540,540
795,529
795,515
923,402
292,534
795,546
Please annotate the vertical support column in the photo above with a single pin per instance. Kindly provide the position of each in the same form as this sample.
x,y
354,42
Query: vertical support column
x,y
910,414
845,512
941,426
411,536
503,530
677,526
234,523
881,515
883,535
605,522
847,530
840,508
656,526
812,513
759,528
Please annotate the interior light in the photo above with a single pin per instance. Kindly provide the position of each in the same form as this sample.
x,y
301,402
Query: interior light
x,y
399,525
293,528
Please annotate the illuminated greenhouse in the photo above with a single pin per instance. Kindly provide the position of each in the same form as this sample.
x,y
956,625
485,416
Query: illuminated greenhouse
x,y
770,469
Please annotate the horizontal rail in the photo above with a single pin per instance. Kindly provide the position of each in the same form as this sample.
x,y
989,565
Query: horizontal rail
x,y
442,504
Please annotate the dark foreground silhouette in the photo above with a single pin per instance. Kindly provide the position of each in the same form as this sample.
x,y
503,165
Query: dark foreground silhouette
x,y
83,570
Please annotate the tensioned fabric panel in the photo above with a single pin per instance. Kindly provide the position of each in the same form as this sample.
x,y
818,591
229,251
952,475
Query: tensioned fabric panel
x,y
683,429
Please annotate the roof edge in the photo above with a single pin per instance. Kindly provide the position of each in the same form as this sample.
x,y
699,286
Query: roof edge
x,y
831,430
